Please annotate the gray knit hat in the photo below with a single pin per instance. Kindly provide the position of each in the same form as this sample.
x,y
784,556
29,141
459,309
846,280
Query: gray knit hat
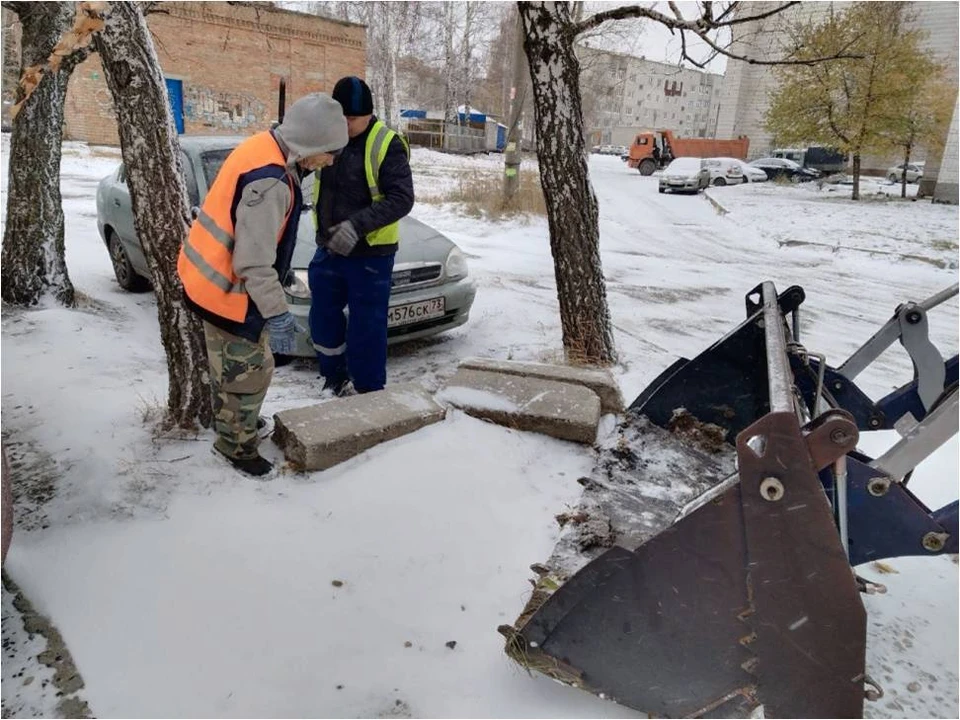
x,y
313,124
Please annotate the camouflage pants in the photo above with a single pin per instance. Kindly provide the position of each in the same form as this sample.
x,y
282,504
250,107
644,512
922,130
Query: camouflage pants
x,y
240,373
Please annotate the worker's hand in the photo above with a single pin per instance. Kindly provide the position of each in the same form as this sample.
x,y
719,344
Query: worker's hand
x,y
343,238
282,330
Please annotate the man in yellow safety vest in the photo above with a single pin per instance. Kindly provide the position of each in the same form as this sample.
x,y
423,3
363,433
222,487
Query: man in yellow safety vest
x,y
358,203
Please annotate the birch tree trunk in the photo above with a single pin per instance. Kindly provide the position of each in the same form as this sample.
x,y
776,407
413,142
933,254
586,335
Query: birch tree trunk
x,y
465,82
388,24
450,93
903,175
855,195
33,263
393,22
151,155
513,151
571,203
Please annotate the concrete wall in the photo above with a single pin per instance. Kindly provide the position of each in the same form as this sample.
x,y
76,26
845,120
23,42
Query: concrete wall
x,y
948,182
230,58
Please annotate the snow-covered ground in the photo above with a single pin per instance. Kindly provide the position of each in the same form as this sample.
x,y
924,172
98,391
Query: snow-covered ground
x,y
183,589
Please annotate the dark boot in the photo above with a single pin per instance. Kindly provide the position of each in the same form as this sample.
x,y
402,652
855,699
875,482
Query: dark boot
x,y
256,466
339,387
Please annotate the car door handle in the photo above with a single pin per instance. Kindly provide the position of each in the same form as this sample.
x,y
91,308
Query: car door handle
x,y
116,202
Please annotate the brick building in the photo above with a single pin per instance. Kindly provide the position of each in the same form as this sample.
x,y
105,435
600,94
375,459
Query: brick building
x,y
223,62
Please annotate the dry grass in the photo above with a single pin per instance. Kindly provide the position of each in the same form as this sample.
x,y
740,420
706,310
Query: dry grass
x,y
480,192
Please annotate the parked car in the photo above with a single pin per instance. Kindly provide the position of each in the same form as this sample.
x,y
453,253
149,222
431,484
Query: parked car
x,y
724,171
431,291
776,168
914,172
685,175
751,174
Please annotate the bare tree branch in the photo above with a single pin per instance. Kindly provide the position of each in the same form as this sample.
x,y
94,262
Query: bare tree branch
x,y
727,11
708,11
623,13
740,20
676,11
703,27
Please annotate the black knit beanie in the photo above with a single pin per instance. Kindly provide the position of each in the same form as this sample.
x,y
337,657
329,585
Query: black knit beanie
x,y
354,96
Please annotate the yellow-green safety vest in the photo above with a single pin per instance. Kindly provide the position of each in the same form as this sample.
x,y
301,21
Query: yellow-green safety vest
x,y
378,141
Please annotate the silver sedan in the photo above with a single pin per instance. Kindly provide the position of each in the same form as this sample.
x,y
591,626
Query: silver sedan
x,y
431,291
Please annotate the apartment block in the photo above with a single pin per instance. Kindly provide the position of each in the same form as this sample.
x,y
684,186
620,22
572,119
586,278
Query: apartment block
x,y
623,95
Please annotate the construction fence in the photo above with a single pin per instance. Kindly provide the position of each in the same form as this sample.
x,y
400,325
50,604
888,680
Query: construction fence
x,y
444,136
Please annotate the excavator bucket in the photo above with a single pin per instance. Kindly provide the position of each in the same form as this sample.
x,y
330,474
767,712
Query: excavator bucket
x,y
747,602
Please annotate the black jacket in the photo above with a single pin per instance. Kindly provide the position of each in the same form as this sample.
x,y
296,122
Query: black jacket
x,y
344,194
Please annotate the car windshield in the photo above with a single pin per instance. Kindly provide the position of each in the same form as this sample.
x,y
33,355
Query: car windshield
x,y
212,161
688,165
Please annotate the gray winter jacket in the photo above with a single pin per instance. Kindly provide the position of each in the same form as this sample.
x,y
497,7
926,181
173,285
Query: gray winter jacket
x,y
314,124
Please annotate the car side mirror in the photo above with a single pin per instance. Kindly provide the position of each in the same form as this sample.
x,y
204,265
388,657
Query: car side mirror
x,y
194,212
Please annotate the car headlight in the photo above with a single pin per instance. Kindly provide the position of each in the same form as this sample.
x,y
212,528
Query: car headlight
x,y
456,264
297,285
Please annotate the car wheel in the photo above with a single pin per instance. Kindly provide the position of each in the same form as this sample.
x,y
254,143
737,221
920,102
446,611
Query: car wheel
x,y
646,167
279,360
892,178
661,191
719,182
126,276
795,179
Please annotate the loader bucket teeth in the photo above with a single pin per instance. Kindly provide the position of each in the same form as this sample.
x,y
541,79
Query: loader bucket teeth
x,y
747,601
657,628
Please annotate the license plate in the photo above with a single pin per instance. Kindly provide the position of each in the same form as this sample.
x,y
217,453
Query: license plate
x,y
415,312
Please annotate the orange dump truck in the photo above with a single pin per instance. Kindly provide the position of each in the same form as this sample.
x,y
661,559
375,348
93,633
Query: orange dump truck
x,y
654,150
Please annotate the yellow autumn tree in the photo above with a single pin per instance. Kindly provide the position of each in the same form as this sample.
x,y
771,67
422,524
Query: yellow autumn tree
x,y
923,122
857,105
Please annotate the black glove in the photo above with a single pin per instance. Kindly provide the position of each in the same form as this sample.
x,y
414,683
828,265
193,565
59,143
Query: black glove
x,y
343,238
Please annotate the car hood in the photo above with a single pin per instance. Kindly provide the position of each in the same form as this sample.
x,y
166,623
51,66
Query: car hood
x,y
418,243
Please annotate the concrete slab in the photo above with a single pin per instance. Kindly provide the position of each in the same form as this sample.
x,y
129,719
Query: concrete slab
x,y
598,380
320,436
561,410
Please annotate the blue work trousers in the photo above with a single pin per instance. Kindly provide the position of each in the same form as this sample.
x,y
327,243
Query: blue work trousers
x,y
354,347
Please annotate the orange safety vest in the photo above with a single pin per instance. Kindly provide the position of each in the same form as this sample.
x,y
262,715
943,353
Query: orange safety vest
x,y
205,264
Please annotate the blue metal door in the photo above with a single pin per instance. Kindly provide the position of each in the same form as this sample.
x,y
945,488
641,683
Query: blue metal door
x,y
175,93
